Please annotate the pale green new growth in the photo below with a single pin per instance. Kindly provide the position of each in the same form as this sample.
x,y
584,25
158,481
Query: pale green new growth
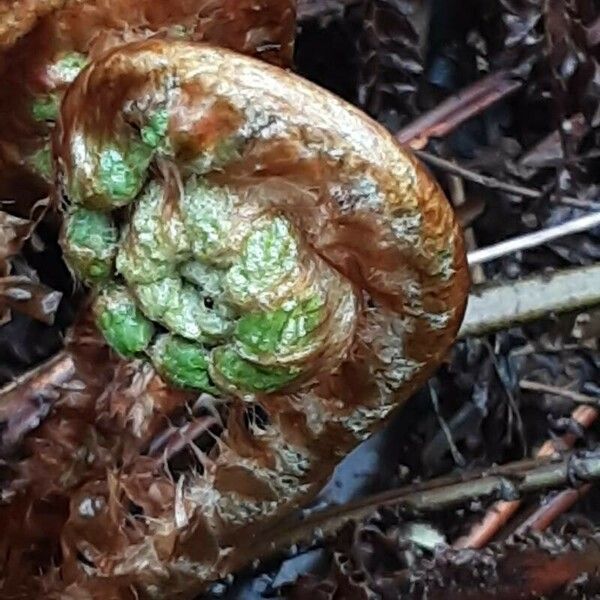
x,y
64,71
182,363
154,133
208,216
156,240
66,68
46,107
267,267
244,305
241,374
276,334
90,244
122,172
125,328
193,320
180,308
207,278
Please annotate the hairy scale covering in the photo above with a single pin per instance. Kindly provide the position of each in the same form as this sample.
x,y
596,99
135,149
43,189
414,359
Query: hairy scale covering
x,y
258,239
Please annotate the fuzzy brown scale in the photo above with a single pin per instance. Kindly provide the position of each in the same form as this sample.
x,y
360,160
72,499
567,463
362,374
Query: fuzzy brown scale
x,y
398,245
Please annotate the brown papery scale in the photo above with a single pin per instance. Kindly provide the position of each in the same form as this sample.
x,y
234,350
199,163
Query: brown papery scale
x,y
371,231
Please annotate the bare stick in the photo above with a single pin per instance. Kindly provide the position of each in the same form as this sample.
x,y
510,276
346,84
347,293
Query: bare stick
x,y
534,386
501,512
484,180
532,240
551,508
173,440
499,306
459,107
456,185
514,480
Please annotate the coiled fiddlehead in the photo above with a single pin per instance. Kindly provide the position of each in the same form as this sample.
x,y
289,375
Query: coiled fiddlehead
x,y
255,237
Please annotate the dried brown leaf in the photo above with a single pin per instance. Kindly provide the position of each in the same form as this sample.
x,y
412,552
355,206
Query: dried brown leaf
x,y
391,53
31,298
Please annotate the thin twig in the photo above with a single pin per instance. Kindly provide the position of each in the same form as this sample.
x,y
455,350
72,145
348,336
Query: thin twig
x,y
499,306
459,459
496,184
458,108
501,512
456,187
512,480
577,397
551,508
484,180
317,9
537,238
174,439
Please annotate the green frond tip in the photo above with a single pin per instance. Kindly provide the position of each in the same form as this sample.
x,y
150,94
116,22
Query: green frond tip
x,y
281,331
238,374
268,266
182,363
154,133
66,68
207,278
45,107
90,244
122,172
123,325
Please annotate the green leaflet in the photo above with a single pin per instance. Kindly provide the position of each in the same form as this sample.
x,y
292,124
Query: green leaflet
x,y
46,107
136,266
182,363
64,71
268,266
193,320
66,68
282,331
208,213
156,240
180,308
209,279
122,172
90,244
241,374
154,133
159,297
113,174
125,328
